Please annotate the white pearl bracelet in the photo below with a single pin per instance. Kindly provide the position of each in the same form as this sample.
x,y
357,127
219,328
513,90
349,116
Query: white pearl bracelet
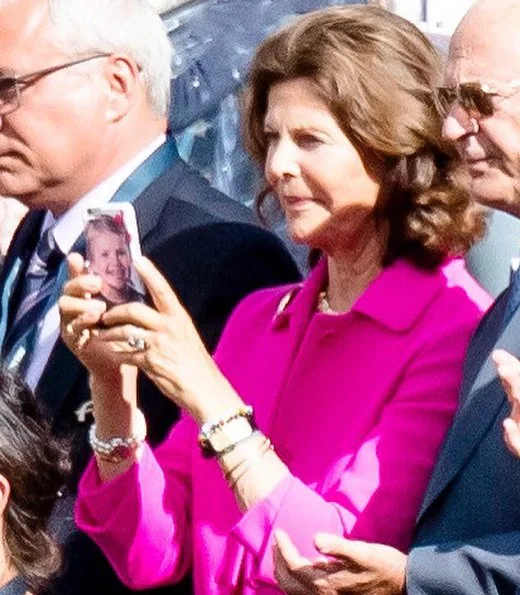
x,y
119,448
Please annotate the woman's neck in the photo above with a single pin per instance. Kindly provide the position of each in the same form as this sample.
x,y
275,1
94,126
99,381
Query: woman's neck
x,y
7,572
352,269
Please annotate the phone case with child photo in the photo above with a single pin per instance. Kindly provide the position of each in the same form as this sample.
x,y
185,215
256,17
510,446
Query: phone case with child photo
x,y
112,242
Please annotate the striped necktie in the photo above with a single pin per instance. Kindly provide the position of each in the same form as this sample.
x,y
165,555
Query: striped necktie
x,y
39,283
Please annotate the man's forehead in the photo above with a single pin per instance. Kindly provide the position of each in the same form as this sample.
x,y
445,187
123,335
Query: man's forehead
x,y
25,33
487,57
485,46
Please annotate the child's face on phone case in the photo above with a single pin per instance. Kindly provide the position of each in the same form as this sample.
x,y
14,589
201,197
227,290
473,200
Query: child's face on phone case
x,y
110,259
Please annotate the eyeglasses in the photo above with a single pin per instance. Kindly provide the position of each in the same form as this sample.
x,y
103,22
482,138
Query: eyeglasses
x,y
475,98
12,86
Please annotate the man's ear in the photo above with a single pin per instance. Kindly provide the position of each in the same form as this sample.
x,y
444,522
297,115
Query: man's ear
x,y
122,75
5,493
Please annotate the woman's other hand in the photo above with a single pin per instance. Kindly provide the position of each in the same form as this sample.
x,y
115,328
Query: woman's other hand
x,y
166,346
508,368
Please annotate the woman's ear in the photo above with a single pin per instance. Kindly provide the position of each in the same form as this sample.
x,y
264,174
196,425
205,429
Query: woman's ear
x,y
5,492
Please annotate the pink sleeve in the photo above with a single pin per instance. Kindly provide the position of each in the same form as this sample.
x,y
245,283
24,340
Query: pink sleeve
x,y
141,519
373,494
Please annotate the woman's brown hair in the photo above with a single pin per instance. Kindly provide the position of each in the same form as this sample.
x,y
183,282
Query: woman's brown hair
x,y
377,74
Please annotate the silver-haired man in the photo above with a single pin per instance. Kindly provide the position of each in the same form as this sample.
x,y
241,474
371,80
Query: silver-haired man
x,y
84,93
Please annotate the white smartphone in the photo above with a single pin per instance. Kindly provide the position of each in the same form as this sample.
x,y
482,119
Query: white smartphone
x,y
112,242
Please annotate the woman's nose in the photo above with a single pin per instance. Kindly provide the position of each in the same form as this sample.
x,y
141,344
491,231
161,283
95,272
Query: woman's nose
x,y
282,161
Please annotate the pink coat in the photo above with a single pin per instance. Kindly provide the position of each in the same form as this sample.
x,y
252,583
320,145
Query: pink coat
x,y
356,405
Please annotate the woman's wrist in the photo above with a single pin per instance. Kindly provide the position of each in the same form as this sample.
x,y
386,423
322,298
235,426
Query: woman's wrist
x,y
215,404
115,404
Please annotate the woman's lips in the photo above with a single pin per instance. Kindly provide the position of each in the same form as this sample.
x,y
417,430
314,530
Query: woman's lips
x,y
294,201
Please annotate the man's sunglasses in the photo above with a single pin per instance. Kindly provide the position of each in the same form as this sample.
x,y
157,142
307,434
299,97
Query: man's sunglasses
x,y
12,86
477,99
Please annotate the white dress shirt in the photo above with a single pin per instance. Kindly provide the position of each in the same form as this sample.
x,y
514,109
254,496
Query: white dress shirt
x,y
67,230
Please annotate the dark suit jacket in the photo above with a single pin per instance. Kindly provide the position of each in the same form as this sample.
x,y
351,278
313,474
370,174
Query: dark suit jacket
x,y
468,533
213,255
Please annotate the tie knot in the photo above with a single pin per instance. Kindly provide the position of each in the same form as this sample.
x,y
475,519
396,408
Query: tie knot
x,y
48,254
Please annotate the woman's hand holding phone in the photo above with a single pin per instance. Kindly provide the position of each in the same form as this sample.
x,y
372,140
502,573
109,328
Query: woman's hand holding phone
x,y
173,355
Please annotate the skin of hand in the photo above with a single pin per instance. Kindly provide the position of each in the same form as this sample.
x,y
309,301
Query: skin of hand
x,y
345,566
175,358
508,369
80,317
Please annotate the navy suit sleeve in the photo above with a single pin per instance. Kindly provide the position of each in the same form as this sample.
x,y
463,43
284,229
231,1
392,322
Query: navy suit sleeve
x,y
488,565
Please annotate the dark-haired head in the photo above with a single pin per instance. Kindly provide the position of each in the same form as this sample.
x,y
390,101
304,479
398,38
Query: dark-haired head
x,y
32,468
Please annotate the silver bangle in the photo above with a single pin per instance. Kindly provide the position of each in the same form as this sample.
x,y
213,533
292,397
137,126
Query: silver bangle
x,y
119,448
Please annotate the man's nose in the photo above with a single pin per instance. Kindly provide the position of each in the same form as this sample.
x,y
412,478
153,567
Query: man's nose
x,y
458,124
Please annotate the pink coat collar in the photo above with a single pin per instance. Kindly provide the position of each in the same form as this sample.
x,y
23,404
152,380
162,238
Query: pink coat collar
x,y
396,299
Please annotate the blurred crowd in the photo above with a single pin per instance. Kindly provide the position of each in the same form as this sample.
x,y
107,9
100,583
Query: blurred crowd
x,y
241,350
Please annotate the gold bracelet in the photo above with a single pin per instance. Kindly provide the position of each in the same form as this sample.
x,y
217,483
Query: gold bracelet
x,y
248,463
257,433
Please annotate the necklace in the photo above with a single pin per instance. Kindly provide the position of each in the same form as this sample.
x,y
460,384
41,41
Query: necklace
x,y
323,305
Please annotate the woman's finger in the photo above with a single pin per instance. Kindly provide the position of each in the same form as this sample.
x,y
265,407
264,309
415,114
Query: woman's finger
x,y
162,294
86,320
124,334
82,285
71,307
76,265
134,313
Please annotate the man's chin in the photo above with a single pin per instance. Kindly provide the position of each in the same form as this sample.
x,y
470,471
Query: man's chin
x,y
26,191
502,197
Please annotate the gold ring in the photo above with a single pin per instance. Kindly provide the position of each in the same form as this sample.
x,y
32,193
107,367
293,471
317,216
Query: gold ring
x,y
84,338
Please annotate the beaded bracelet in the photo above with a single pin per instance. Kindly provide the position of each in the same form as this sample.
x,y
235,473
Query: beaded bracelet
x,y
210,427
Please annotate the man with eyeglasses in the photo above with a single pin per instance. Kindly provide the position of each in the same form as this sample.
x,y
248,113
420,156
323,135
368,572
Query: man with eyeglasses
x,y
84,95
467,539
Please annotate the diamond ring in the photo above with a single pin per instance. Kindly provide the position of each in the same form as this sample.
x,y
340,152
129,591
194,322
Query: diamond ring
x,y
136,340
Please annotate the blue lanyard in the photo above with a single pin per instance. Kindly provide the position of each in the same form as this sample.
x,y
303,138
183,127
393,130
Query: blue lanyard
x,y
158,163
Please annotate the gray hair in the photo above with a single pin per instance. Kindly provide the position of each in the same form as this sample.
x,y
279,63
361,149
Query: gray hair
x,y
132,27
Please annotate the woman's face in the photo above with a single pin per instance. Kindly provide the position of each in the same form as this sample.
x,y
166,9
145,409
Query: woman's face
x,y
323,185
110,259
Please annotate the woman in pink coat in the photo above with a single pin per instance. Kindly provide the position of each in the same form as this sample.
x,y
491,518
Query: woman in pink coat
x,y
352,376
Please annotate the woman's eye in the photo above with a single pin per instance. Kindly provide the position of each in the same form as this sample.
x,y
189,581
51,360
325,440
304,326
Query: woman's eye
x,y
308,140
270,137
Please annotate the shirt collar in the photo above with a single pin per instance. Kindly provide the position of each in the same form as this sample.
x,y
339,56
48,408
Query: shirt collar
x,y
395,299
69,226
